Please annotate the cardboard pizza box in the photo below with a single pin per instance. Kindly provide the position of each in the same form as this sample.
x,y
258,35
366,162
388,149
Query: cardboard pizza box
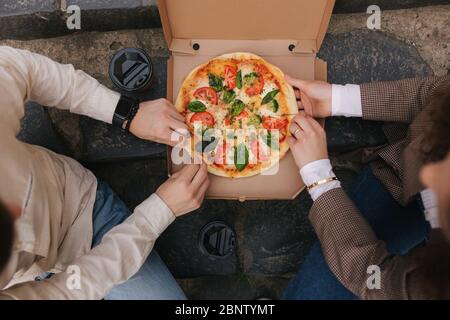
x,y
287,33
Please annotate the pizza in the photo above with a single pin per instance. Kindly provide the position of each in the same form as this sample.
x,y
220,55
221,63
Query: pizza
x,y
238,109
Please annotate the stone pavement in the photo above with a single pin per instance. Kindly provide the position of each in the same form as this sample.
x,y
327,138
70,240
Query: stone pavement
x,y
273,236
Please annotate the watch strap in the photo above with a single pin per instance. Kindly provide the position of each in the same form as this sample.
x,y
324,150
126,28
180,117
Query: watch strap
x,y
124,110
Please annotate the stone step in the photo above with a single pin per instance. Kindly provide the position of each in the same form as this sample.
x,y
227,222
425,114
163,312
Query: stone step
x,y
36,19
46,18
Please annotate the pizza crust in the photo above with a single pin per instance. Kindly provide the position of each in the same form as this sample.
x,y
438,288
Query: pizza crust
x,y
291,103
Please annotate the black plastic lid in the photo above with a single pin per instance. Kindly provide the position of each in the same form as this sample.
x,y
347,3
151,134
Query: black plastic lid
x,y
131,70
217,239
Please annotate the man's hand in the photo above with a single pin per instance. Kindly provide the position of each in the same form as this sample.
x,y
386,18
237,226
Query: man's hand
x,y
185,190
308,141
314,97
156,121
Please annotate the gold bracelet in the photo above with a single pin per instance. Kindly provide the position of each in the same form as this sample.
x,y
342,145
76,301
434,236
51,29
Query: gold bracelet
x,y
320,182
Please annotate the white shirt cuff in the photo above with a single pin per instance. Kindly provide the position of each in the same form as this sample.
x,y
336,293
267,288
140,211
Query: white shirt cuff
x,y
430,204
316,171
346,100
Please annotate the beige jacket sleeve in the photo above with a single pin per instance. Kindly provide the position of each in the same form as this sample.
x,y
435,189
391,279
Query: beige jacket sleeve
x,y
350,247
27,76
51,84
121,253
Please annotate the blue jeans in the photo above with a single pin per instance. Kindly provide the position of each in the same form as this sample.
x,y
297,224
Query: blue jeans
x,y
401,228
153,281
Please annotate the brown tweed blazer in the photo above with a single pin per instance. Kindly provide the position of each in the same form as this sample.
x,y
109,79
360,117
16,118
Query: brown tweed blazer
x,y
348,242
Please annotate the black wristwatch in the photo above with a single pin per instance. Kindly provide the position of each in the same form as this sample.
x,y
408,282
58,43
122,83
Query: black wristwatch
x,y
126,110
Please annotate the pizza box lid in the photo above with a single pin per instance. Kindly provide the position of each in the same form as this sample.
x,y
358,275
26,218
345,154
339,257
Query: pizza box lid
x,y
302,22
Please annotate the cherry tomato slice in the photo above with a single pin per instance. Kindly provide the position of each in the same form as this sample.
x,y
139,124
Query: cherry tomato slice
x,y
241,116
230,77
221,154
257,151
205,118
257,86
206,94
271,123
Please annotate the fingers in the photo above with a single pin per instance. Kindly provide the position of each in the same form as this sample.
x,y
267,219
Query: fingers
x,y
200,177
302,121
176,124
175,114
298,96
178,129
315,124
295,130
188,172
168,107
202,190
307,104
291,142
297,83
170,137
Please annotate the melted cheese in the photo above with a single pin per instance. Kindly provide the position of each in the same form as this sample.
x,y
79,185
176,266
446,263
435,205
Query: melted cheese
x,y
265,110
267,88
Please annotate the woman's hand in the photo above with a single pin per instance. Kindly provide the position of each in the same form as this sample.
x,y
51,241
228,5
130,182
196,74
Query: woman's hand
x,y
314,97
308,141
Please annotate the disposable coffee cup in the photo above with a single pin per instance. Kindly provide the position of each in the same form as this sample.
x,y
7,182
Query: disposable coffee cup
x,y
217,240
131,71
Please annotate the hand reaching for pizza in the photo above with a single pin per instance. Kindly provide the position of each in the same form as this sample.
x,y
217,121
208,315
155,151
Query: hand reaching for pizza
x,y
308,141
157,121
185,190
314,97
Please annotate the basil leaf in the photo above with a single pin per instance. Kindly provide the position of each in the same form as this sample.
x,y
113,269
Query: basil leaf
x,y
250,78
241,157
273,105
239,79
237,107
267,138
228,96
270,96
215,82
255,120
196,106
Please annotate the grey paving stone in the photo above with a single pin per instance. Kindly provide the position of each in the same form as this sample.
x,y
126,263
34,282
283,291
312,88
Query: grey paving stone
x,y
274,236
133,181
347,134
31,19
102,142
365,56
23,7
110,4
347,6
178,245
45,19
